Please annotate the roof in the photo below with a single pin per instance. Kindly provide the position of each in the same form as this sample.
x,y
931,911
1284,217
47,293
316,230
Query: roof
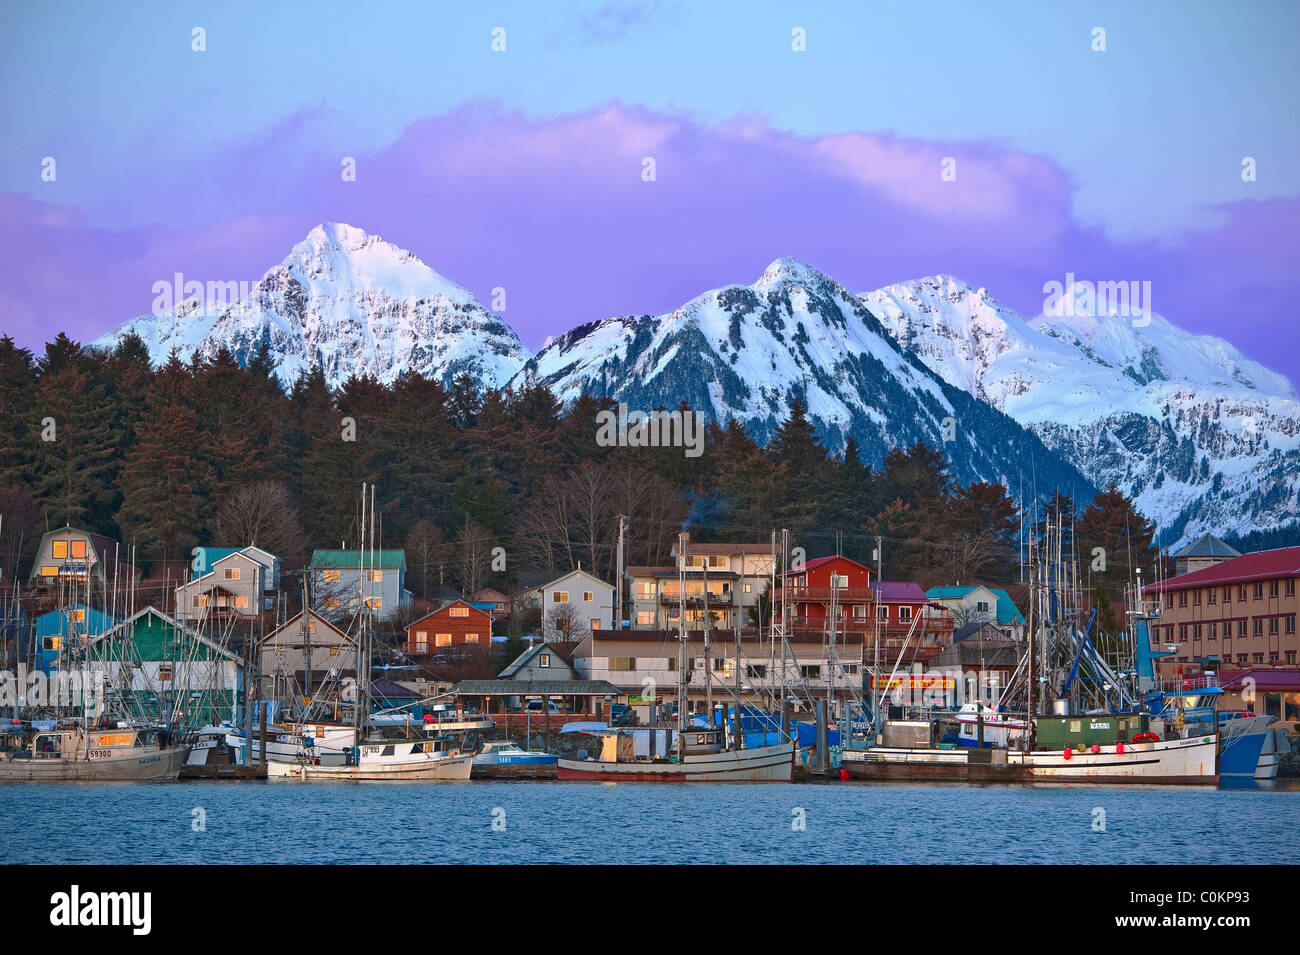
x,y
819,561
969,653
388,690
586,573
351,559
899,591
517,664
1259,565
535,688
751,549
489,593
1007,611
690,572
1207,545
1267,679
484,609
291,627
171,622
973,630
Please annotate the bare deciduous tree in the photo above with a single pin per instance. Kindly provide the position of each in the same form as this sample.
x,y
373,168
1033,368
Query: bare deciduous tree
x,y
473,563
261,514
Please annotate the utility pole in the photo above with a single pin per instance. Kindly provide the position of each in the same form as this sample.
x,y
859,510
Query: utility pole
x,y
618,576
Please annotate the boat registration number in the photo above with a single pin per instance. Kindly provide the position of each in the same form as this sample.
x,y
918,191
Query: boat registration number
x,y
99,753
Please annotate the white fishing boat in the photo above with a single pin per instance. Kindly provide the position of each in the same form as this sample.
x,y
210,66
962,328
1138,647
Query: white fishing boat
x,y
421,759
1000,729
47,753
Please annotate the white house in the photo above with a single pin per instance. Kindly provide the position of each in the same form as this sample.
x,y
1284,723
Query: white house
x,y
576,604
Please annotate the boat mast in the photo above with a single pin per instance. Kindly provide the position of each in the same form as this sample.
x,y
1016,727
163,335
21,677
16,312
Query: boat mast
x,y
708,660
681,652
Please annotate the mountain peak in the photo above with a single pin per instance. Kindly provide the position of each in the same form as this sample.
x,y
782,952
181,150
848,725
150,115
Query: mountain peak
x,y
787,269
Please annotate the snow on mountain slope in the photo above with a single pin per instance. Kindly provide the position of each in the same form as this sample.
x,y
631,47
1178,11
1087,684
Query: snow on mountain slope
x,y
745,352
352,303
1204,438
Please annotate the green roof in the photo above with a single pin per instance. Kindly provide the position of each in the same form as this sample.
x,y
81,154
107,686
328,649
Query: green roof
x,y
1008,612
351,559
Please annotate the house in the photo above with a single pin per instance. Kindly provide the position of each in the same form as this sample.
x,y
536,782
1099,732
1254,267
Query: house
x,y
983,604
1238,611
574,605
1206,551
458,623
839,583
65,628
72,555
540,672
908,622
500,603
339,589
238,582
306,656
655,597
633,660
161,670
745,568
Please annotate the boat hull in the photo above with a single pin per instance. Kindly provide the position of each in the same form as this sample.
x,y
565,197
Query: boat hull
x,y
445,768
1168,762
138,766
763,764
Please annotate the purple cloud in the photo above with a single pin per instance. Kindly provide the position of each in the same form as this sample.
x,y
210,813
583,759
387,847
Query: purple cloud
x,y
558,213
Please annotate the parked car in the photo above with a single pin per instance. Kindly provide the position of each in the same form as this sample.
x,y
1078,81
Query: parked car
x,y
535,706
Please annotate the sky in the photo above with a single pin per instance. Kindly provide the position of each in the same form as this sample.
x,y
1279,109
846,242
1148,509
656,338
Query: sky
x,y
128,155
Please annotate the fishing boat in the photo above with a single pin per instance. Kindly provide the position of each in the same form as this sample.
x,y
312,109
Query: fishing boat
x,y
1242,736
1278,754
999,729
503,759
694,754
46,752
381,760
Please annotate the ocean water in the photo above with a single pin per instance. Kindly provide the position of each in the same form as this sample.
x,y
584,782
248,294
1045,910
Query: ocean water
x,y
553,822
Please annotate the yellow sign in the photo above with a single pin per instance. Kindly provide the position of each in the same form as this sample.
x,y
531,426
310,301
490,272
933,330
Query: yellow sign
x,y
115,739
915,681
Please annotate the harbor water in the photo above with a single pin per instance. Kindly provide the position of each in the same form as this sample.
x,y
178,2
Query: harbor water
x,y
629,823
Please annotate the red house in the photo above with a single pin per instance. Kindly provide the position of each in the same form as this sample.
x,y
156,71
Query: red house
x,y
812,589
452,624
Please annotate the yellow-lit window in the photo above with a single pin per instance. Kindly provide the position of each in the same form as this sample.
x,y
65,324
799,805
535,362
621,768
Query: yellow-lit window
x,y
376,575
459,612
232,573
241,603
78,550
331,576
165,671
49,571
77,616
442,639
471,638
560,597
59,549
331,603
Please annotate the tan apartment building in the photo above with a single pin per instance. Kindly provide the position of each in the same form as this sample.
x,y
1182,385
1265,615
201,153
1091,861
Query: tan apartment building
x,y
1242,611
735,575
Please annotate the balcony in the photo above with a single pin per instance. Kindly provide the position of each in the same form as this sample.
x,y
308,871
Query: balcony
x,y
695,601
842,595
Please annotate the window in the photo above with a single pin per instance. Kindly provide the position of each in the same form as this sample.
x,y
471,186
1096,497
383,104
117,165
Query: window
x,y
544,660
421,641
622,663
1290,624
1272,624
1182,598
904,614
458,612
588,596
1214,635
331,603
1196,597
49,571
1227,595
810,672
442,639
1259,657
1182,632
77,616
471,638
595,624
232,573
59,550
165,672
331,576
77,549
1212,594
859,611
1290,586
719,665
756,671
748,588
882,613
1259,590
1290,658
839,581
645,618
375,603
241,602
560,597
1259,626
1241,628
374,576
1196,631
645,590
982,606
334,651
1241,592
1169,600
1272,588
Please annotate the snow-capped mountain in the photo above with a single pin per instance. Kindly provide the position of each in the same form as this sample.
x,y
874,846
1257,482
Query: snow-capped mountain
x,y
351,303
744,352
1204,438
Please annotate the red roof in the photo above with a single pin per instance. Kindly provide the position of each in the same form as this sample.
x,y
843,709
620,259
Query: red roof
x,y
1267,679
820,561
1260,565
